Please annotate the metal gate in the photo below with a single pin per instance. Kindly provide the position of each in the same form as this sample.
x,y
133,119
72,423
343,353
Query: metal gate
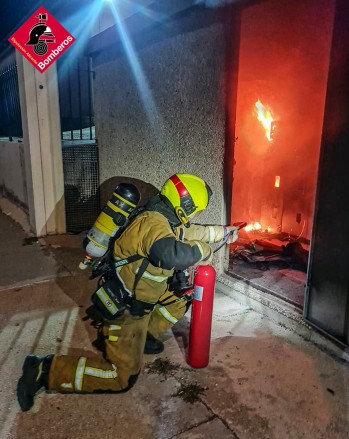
x,y
81,185
80,150
10,109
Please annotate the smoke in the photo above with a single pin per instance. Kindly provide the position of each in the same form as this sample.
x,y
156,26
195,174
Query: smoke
x,y
214,3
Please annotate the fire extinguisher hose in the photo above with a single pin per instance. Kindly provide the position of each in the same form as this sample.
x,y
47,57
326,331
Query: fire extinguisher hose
x,y
225,240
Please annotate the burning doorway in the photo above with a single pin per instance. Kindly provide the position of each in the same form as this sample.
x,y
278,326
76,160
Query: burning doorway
x,y
282,77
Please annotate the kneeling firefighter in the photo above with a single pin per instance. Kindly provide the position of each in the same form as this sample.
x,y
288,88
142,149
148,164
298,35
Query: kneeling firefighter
x,y
158,243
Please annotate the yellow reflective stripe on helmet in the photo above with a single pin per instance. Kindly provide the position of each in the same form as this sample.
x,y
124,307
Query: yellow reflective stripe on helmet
x,y
153,277
79,374
211,234
168,316
101,373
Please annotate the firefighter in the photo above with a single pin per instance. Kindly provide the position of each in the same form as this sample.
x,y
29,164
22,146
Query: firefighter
x,y
167,241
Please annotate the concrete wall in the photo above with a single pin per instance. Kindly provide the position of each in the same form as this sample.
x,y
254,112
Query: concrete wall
x,y
184,70
12,172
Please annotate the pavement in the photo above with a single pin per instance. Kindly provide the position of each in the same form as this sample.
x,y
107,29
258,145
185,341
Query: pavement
x,y
263,380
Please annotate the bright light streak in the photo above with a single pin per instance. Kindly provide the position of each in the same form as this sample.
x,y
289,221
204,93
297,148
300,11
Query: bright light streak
x,y
144,10
80,25
147,98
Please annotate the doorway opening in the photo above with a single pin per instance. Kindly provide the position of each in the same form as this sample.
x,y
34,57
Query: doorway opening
x,y
282,77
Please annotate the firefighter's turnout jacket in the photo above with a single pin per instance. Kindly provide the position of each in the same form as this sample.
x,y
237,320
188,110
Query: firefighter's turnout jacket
x,y
156,235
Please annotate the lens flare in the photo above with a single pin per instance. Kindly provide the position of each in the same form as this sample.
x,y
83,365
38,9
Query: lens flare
x,y
148,101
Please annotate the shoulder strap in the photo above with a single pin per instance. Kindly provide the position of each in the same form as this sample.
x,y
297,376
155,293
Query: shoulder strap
x,y
126,261
133,214
139,274
108,263
133,258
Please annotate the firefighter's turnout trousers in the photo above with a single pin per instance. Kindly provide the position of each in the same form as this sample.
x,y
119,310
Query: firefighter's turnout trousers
x,y
124,344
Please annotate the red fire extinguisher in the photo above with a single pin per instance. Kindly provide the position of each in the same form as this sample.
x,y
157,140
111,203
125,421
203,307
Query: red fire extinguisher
x,y
201,316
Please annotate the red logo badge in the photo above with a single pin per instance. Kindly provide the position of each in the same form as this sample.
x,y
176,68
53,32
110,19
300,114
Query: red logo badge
x,y
41,39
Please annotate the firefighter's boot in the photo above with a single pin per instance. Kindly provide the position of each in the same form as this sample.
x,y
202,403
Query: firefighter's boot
x,y
153,345
35,376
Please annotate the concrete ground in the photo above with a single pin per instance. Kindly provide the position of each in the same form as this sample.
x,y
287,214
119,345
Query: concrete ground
x,y
263,381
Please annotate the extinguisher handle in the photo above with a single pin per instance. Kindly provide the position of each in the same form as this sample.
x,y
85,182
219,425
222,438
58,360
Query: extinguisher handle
x,y
238,226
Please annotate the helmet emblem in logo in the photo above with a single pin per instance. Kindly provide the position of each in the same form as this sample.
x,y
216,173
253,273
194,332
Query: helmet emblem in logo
x,y
40,34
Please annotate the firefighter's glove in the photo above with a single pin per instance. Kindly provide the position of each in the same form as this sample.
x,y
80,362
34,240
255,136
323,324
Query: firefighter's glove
x,y
232,233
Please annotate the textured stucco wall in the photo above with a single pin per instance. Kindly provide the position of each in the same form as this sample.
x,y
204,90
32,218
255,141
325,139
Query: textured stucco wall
x,y
12,172
185,75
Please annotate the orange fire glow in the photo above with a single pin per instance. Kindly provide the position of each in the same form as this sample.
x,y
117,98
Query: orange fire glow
x,y
256,226
253,226
264,115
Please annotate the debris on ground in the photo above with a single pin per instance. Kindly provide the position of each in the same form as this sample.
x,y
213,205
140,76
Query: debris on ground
x,y
162,366
190,392
264,254
30,240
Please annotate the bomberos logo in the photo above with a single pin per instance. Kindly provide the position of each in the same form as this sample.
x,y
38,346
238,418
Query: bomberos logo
x,y
41,39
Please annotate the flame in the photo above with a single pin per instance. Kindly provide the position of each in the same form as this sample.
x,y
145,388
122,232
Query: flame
x,y
265,117
253,226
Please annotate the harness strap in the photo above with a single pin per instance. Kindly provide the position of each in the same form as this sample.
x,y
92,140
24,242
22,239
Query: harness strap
x,y
129,260
140,273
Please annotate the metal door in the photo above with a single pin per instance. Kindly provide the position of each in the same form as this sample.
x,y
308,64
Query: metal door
x,y
327,297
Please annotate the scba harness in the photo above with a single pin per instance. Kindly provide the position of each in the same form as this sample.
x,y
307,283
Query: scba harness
x,y
111,299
